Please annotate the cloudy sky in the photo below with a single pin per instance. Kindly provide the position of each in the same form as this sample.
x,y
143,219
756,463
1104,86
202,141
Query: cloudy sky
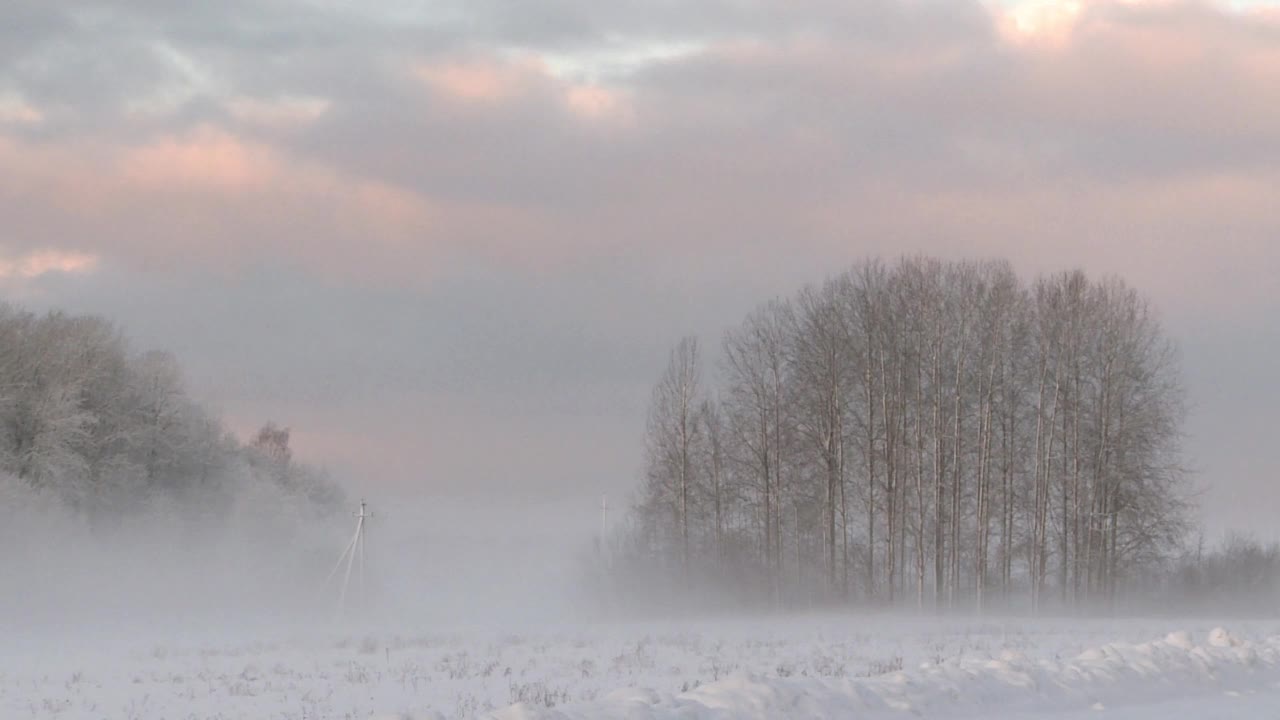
x,y
449,242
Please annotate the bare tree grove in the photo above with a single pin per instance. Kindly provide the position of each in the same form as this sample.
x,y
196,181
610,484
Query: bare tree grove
x,y
934,434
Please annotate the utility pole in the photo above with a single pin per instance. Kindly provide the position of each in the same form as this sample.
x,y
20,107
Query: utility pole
x,y
354,548
601,550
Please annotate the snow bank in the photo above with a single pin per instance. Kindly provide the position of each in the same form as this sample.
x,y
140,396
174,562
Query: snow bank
x,y
1112,674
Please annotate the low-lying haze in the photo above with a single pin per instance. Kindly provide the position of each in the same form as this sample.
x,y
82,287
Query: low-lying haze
x,y
450,246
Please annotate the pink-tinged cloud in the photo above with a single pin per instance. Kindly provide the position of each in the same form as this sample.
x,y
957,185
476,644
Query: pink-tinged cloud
x,y
206,197
43,262
1165,65
16,111
497,82
1053,22
205,158
594,102
478,80
1038,20
801,149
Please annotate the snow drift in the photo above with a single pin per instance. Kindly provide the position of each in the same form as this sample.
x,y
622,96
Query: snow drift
x,y
1118,673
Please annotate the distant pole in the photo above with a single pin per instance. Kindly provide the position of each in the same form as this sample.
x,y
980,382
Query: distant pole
x,y
604,516
360,530
354,549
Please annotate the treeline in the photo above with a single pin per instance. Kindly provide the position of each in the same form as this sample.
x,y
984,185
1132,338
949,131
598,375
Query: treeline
x,y
926,433
112,434
1240,575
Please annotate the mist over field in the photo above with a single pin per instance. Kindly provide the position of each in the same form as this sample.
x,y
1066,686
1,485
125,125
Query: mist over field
x,y
738,360
1014,444
426,567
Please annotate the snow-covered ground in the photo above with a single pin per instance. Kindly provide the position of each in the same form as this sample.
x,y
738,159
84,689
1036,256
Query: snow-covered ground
x,y
812,668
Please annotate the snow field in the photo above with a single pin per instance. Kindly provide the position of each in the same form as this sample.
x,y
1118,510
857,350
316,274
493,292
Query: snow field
x,y
812,668
968,686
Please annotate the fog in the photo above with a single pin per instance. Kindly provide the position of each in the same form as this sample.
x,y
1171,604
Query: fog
x,y
763,346
132,504
434,566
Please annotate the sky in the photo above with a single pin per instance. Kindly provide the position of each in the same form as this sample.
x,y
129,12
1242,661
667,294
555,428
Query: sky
x,y
449,244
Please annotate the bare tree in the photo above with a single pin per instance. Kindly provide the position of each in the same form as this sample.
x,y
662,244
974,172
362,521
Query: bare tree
x,y
673,436
821,352
716,472
756,376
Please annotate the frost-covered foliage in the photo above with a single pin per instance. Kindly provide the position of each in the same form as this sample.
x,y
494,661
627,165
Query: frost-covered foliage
x,y
928,433
112,433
